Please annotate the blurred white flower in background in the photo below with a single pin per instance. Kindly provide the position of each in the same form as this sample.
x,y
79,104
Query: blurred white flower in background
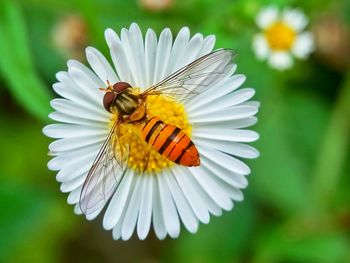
x,y
282,37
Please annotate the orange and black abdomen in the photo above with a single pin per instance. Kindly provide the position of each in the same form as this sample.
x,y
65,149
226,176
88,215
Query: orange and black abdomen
x,y
171,142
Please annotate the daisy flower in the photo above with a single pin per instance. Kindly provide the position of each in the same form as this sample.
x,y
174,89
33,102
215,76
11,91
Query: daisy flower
x,y
153,191
283,36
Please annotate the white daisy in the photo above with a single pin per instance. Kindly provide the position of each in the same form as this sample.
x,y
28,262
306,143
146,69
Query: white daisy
x,y
164,194
283,36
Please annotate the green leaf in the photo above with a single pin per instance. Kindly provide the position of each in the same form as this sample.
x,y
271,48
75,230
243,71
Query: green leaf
x,y
16,64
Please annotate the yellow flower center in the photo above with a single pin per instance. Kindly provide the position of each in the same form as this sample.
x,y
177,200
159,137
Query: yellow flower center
x,y
142,157
280,36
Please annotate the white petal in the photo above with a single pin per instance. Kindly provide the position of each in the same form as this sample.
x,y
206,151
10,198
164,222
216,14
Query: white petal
x,y
68,130
127,41
119,57
136,43
150,56
67,89
73,196
86,80
117,229
69,186
185,211
78,98
190,52
232,192
237,135
101,66
211,188
118,201
260,46
61,117
181,44
224,160
178,47
226,175
210,205
170,216
230,124
295,18
220,89
132,211
252,103
70,157
63,76
232,113
267,16
145,214
163,53
225,102
208,45
303,45
157,212
94,214
236,194
70,108
68,144
193,197
232,148
232,99
281,60
77,209
77,169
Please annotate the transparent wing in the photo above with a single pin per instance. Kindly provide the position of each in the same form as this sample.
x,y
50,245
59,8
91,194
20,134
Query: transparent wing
x,y
105,174
196,77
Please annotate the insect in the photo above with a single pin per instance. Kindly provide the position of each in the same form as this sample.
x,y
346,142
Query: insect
x,y
110,164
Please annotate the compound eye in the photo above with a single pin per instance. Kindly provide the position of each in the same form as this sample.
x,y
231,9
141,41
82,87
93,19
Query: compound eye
x,y
121,86
108,100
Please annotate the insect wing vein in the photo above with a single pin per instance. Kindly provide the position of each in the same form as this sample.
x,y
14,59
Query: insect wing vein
x,y
105,174
196,77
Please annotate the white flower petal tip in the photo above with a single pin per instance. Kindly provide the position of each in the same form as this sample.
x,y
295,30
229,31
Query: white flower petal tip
x,y
304,45
282,34
261,47
267,16
295,18
163,196
281,60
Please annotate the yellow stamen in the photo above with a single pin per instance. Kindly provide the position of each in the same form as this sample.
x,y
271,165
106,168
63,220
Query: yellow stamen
x,y
142,157
280,36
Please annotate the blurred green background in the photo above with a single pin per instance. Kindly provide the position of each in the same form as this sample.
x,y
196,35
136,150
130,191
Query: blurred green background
x,y
296,207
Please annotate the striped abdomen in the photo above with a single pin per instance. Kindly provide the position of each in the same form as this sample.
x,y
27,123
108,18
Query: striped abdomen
x,y
171,142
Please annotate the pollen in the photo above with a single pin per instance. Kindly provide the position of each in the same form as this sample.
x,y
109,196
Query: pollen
x,y
280,36
142,157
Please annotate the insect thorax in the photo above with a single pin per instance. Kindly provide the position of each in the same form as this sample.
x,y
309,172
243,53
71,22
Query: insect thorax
x,y
127,102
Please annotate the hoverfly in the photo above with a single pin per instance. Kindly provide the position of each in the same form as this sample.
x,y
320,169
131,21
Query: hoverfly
x,y
110,164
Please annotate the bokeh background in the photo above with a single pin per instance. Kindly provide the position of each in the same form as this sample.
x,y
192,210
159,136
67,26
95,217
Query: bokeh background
x,y
296,207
